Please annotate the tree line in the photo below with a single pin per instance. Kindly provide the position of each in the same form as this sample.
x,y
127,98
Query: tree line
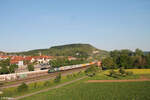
x,y
6,67
127,59
65,62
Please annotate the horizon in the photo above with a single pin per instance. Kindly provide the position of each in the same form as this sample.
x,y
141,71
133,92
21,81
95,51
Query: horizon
x,y
71,44
30,24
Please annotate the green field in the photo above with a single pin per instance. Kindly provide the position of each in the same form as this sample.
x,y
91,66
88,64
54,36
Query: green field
x,y
101,91
12,91
82,90
98,91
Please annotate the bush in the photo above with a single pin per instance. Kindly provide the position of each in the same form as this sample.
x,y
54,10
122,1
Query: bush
x,y
122,71
69,76
58,78
91,71
1,84
111,72
35,85
129,73
47,83
30,67
79,73
22,88
115,75
74,75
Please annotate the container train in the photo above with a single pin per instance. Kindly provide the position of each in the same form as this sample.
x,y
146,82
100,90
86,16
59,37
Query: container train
x,y
33,74
52,70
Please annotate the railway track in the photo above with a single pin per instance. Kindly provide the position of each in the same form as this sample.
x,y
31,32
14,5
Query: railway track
x,y
43,77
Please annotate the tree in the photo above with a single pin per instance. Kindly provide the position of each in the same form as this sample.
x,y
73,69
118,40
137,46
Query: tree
x,y
46,83
6,67
122,71
58,78
12,68
108,63
91,71
22,88
30,67
138,52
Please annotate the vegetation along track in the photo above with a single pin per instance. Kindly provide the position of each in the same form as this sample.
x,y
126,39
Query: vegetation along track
x,y
45,90
42,78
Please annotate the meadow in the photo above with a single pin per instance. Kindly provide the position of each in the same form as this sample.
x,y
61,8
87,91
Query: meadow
x,y
97,91
82,90
37,86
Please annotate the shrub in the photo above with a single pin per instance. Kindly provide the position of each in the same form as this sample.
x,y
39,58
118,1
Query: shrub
x,y
122,71
111,72
74,75
115,75
91,71
69,76
129,73
1,84
79,73
35,85
58,78
30,67
22,88
46,83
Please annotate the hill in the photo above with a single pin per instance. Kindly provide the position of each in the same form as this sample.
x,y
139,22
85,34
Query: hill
x,y
1,52
76,50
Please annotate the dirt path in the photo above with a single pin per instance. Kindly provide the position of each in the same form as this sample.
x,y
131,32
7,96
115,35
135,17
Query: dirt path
x,y
45,90
142,78
104,81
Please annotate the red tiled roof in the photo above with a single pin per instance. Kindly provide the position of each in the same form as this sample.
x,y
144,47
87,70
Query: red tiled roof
x,y
4,56
16,59
28,58
41,57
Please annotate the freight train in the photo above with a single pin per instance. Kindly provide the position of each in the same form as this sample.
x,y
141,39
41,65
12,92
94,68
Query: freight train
x,y
52,70
33,74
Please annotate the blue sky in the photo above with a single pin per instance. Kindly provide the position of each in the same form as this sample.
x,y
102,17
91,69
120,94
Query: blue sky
x,y
106,24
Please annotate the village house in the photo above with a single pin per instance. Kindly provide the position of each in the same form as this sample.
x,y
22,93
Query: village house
x,y
4,57
71,58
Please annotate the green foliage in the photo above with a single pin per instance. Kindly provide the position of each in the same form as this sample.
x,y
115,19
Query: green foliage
x,y
46,83
58,78
129,59
22,88
75,75
69,76
12,68
138,52
91,71
6,68
97,91
129,73
112,72
108,63
30,67
35,85
65,62
122,71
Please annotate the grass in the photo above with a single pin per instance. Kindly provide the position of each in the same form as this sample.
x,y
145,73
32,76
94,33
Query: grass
x,y
136,75
92,91
12,92
97,91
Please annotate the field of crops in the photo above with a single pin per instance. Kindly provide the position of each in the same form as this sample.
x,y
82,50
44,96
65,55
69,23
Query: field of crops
x,y
101,91
98,91
140,71
82,90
